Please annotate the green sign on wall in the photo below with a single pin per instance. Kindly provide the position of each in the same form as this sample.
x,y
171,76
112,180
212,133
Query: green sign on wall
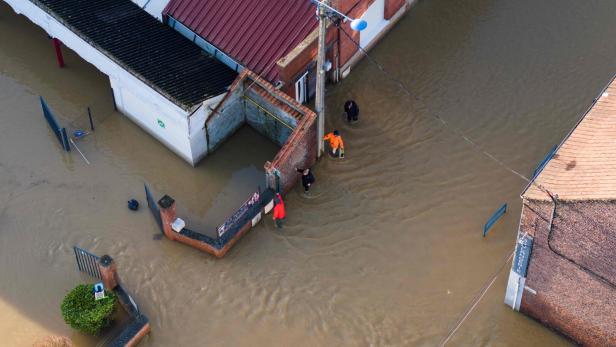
x,y
161,123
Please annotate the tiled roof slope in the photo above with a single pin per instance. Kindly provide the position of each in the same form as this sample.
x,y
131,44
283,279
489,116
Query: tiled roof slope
x,y
150,50
584,167
256,33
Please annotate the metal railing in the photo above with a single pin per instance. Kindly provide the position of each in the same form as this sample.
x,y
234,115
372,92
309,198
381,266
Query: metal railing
x,y
87,262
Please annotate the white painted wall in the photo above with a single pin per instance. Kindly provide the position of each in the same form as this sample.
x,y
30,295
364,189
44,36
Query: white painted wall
x,y
169,128
196,127
375,17
133,97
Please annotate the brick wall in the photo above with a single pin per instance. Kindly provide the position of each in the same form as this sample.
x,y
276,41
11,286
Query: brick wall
x,y
299,145
568,298
296,63
267,118
299,152
392,6
226,120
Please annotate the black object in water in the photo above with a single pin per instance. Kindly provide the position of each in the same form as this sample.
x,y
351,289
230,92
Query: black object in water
x,y
133,205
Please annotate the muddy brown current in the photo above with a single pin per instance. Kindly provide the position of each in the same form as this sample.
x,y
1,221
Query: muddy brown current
x,y
387,251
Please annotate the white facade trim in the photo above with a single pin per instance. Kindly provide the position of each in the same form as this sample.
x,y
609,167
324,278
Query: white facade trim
x,y
375,17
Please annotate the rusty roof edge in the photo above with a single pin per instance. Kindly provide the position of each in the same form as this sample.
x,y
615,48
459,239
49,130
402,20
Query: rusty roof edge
x,y
312,37
580,119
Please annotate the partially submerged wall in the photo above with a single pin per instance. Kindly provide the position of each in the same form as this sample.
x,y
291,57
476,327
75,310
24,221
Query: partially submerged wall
x,y
275,115
227,235
254,102
300,152
570,278
225,120
266,118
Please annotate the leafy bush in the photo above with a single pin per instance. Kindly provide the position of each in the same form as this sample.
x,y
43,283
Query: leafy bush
x,y
83,313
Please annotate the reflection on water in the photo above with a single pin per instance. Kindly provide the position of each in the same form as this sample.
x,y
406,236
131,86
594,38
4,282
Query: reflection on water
x,y
387,250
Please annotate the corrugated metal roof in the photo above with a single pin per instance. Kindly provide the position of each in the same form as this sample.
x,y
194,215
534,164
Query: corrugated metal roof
x,y
584,167
256,33
150,50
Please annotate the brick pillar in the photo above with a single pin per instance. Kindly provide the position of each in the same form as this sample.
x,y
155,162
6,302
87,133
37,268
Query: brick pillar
x,y
109,272
167,215
270,176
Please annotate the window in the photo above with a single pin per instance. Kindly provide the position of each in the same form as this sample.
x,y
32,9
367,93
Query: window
x,y
301,94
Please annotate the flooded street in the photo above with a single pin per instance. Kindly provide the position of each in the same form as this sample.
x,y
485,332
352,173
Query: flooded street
x,y
387,250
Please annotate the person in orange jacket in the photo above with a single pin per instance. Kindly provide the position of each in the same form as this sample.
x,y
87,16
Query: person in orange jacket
x,y
279,212
335,143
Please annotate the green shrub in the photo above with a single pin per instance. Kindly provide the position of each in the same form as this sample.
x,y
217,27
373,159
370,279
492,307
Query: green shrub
x,y
83,313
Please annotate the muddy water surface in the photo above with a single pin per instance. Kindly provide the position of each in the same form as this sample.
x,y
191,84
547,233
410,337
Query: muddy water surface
x,y
387,250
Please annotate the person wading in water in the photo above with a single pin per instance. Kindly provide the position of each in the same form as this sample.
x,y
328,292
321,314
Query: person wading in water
x,y
279,212
307,178
335,144
352,111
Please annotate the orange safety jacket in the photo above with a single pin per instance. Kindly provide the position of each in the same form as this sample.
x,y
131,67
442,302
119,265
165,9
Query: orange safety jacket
x,y
335,141
279,212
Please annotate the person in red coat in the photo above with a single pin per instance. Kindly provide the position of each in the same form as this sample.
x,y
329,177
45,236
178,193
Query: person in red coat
x,y
279,212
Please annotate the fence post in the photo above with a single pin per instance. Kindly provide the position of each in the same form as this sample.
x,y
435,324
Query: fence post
x,y
494,218
167,215
90,118
109,272
277,175
65,144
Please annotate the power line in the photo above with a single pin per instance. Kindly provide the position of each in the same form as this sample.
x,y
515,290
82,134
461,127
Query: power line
x,y
446,124
456,131
471,306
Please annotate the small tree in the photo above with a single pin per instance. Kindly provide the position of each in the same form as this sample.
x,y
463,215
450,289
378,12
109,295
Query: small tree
x,y
83,313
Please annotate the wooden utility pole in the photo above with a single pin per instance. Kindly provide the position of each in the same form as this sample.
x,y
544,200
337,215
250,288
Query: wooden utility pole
x,y
320,97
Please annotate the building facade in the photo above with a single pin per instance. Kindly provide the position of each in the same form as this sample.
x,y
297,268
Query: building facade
x,y
564,268
278,39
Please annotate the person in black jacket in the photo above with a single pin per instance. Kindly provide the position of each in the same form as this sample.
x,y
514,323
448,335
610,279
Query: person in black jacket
x,y
352,111
307,178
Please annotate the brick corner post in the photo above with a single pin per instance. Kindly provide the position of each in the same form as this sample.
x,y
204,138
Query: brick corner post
x,y
270,175
167,215
109,272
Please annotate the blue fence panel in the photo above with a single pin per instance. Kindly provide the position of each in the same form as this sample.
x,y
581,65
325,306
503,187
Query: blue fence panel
x,y
495,217
153,207
55,127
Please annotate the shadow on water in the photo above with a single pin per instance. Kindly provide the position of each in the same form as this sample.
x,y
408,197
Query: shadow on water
x,y
388,252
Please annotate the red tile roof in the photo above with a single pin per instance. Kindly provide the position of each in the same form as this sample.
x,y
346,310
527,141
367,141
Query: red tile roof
x,y
256,33
584,167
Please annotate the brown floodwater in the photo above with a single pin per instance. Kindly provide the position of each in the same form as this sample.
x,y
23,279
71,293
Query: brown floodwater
x,y
386,251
